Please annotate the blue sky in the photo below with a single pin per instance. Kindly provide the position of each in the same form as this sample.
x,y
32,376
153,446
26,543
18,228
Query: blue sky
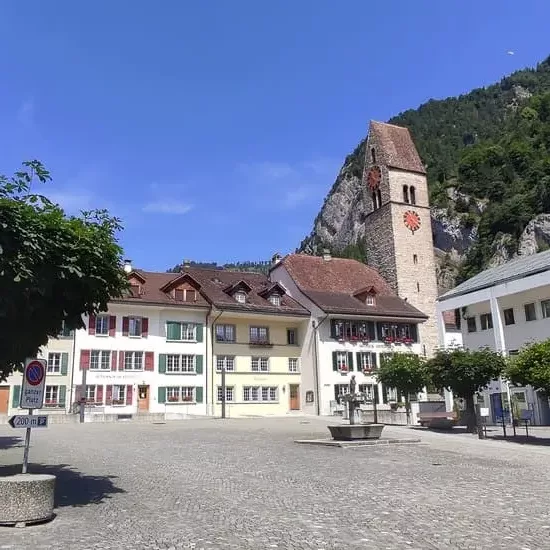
x,y
215,128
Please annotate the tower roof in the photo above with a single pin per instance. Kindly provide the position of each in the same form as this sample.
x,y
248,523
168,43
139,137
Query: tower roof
x,y
395,147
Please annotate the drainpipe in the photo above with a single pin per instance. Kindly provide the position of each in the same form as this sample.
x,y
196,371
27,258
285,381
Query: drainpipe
x,y
316,375
213,367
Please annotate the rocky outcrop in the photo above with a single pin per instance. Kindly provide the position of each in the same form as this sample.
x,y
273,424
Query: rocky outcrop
x,y
536,236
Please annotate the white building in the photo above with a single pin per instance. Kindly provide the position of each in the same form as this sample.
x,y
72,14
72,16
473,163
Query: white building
x,y
505,308
356,321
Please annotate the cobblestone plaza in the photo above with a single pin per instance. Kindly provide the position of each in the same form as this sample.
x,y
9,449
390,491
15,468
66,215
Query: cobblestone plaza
x,y
244,484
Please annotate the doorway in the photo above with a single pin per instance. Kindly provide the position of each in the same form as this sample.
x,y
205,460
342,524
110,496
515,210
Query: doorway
x,y
294,396
4,399
143,398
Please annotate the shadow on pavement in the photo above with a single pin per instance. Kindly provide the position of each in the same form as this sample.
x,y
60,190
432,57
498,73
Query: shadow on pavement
x,y
523,440
10,441
72,488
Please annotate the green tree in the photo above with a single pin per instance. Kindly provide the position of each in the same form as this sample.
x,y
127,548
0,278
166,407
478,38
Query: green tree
x,y
406,372
53,268
531,367
465,373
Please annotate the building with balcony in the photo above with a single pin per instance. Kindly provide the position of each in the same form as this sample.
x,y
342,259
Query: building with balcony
x,y
356,322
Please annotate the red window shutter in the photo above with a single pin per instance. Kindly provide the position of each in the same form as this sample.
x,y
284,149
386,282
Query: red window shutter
x,y
120,360
145,327
113,360
112,325
129,394
91,324
125,326
99,394
84,359
149,360
109,393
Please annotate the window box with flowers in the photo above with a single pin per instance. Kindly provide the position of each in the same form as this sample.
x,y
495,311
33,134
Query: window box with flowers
x,y
173,399
389,340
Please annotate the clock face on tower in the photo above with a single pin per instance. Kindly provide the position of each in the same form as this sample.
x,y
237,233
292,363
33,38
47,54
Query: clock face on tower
x,y
411,220
374,175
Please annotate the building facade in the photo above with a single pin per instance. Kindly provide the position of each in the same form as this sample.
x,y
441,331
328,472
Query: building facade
x,y
504,309
356,322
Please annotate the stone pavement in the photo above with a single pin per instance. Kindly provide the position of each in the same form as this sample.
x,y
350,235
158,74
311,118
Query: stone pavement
x,y
243,484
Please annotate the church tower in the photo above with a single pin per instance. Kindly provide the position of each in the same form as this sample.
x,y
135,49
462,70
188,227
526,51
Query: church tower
x,y
398,227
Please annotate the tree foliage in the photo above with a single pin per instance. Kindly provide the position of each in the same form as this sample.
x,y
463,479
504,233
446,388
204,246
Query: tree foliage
x,y
531,367
465,372
406,372
53,268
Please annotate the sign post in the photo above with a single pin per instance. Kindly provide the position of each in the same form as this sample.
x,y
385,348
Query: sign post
x,y
32,397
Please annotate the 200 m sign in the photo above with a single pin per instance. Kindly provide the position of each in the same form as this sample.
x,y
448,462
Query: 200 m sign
x,y
28,421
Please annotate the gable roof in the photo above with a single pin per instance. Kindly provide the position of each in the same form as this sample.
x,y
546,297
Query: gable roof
x,y
396,148
522,267
333,284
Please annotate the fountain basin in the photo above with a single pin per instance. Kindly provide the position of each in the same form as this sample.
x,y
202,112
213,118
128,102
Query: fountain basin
x,y
351,432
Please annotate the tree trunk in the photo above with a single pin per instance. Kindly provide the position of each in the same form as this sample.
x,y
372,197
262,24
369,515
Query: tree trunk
x,y
470,414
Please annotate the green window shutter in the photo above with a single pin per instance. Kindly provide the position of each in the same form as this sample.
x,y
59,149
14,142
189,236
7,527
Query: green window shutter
x,y
334,361
358,359
350,360
15,396
198,394
198,364
64,363
333,328
62,395
162,395
199,328
173,331
162,363
373,360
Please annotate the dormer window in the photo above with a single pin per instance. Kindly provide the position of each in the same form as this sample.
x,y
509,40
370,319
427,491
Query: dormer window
x,y
134,291
240,296
275,300
179,294
370,301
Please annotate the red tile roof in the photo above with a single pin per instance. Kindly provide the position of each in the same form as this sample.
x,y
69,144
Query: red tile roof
x,y
331,285
396,148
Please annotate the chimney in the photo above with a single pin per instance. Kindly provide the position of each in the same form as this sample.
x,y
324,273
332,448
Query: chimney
x,y
127,266
275,259
326,254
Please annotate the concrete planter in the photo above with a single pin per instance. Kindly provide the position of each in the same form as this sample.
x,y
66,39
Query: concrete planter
x,y
26,498
350,432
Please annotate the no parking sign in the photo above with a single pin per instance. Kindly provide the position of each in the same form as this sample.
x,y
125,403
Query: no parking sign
x,y
34,384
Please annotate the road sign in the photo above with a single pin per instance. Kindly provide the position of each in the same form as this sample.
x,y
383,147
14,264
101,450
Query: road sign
x,y
28,421
34,384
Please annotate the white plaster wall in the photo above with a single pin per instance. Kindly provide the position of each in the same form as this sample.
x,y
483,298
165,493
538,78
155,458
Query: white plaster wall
x,y
155,342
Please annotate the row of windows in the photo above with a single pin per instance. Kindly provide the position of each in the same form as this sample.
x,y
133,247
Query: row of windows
x,y
369,330
257,364
529,311
227,333
345,361
258,394
371,391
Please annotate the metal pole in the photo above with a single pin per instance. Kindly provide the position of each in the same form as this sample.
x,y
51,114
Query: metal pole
x,y
223,391
27,445
83,395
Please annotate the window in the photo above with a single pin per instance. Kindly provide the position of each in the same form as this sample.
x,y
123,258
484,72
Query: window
x,y
240,297
398,332
370,301
228,393
52,395
259,335
133,360
406,193
366,360
342,360
225,333
65,331
373,155
486,320
415,259
180,394
100,360
275,299
260,393
102,325
291,336
180,363
260,364
179,294
530,312
134,326
353,330
90,394
412,192
513,352
180,332
54,363
370,391
119,395
471,321
339,390
545,306
134,291
509,317
226,361
417,286
292,364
